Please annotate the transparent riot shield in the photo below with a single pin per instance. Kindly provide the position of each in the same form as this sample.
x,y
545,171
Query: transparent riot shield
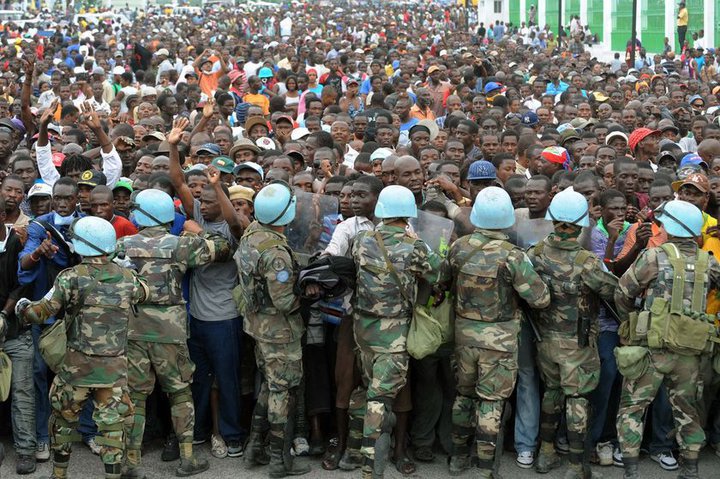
x,y
434,230
529,232
315,219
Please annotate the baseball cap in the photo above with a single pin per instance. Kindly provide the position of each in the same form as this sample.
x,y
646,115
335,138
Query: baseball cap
x,y
615,134
569,134
125,183
147,91
209,148
490,86
698,180
286,118
600,96
92,178
692,159
250,165
265,143
118,70
481,170
639,135
432,126
40,189
238,192
380,154
253,121
530,119
162,51
224,164
433,68
57,159
154,135
299,133
234,75
667,125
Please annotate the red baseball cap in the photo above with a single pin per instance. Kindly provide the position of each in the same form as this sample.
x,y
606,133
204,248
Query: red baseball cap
x,y
639,135
58,158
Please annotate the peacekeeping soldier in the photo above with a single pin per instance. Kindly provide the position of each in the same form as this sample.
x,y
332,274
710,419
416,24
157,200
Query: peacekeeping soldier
x,y
157,346
567,355
97,296
489,274
389,262
667,338
268,271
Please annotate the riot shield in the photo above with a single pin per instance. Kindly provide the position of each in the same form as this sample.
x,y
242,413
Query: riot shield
x,y
434,230
315,219
529,232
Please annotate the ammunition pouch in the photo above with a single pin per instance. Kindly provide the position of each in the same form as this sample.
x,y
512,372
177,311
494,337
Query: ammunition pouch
x,y
632,361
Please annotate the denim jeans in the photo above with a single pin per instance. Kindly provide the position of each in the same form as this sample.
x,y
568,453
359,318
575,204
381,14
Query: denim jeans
x,y
662,423
215,348
21,353
605,399
42,398
527,408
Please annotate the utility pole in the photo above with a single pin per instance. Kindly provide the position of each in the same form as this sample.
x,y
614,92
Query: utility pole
x,y
634,34
560,5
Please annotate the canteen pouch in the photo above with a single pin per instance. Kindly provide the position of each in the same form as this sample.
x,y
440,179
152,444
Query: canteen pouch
x,y
632,361
425,334
53,344
5,375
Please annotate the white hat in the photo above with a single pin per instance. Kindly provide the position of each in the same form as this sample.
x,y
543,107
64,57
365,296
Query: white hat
x,y
162,51
299,133
118,70
40,189
265,143
380,154
77,70
147,91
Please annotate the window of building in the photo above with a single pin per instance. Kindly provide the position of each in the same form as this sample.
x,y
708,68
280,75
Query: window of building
x,y
497,4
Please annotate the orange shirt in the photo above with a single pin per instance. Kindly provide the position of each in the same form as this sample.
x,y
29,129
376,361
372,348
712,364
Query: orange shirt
x,y
416,112
259,100
208,82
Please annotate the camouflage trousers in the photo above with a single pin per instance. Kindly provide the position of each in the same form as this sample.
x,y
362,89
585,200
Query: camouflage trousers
x,y
170,365
281,367
485,379
680,374
112,406
383,375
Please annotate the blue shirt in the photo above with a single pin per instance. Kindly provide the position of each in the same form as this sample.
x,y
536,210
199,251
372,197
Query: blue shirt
x,y
554,90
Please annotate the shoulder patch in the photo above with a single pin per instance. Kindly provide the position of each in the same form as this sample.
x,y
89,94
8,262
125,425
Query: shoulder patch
x,y
279,264
282,276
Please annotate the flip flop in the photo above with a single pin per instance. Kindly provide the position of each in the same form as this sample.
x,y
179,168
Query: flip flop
x,y
331,459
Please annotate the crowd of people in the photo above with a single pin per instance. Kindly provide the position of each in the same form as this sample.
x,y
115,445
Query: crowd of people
x,y
358,233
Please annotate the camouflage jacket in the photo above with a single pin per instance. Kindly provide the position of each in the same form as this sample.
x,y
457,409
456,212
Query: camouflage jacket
x,y
650,276
97,296
575,277
382,309
489,274
162,259
268,271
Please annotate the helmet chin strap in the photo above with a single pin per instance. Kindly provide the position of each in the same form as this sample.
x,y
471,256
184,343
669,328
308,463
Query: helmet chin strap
x,y
137,207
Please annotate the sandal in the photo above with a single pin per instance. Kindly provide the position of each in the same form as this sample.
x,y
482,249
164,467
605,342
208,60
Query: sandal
x,y
405,465
331,459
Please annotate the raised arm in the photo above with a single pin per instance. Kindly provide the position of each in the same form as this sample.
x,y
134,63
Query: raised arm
x,y
235,220
25,114
176,174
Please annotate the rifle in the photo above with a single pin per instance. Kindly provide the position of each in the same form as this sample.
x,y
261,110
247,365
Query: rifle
x,y
531,317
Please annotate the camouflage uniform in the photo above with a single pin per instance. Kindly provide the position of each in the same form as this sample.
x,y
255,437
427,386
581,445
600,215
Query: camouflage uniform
x,y
381,323
157,346
97,296
569,368
651,275
268,271
489,273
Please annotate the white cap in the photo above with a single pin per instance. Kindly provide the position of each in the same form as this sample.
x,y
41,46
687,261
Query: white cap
x,y
40,189
380,154
265,143
162,51
77,70
118,70
147,91
299,133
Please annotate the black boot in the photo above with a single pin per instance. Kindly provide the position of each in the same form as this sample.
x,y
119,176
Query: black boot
x,y
631,468
689,469
281,461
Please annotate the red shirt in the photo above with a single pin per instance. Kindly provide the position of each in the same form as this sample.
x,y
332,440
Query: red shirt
x,y
123,227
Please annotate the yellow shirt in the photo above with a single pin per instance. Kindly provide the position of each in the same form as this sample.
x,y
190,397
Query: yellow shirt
x,y
682,17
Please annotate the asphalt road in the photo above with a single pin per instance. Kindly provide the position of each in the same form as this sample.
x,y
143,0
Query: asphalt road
x,y
84,465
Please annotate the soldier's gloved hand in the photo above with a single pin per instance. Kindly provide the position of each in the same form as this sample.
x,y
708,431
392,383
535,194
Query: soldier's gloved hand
x,y
20,306
124,262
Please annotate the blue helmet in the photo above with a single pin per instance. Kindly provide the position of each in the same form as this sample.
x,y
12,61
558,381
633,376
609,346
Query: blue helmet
x,y
680,219
569,207
493,209
396,201
265,72
93,236
153,208
482,170
275,204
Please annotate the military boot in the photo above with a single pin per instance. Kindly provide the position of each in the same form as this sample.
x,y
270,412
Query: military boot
x,y
256,449
351,458
459,463
191,466
547,459
131,469
631,468
112,471
689,469
282,463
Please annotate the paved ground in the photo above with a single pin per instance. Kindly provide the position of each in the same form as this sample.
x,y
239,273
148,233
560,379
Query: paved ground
x,y
84,465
